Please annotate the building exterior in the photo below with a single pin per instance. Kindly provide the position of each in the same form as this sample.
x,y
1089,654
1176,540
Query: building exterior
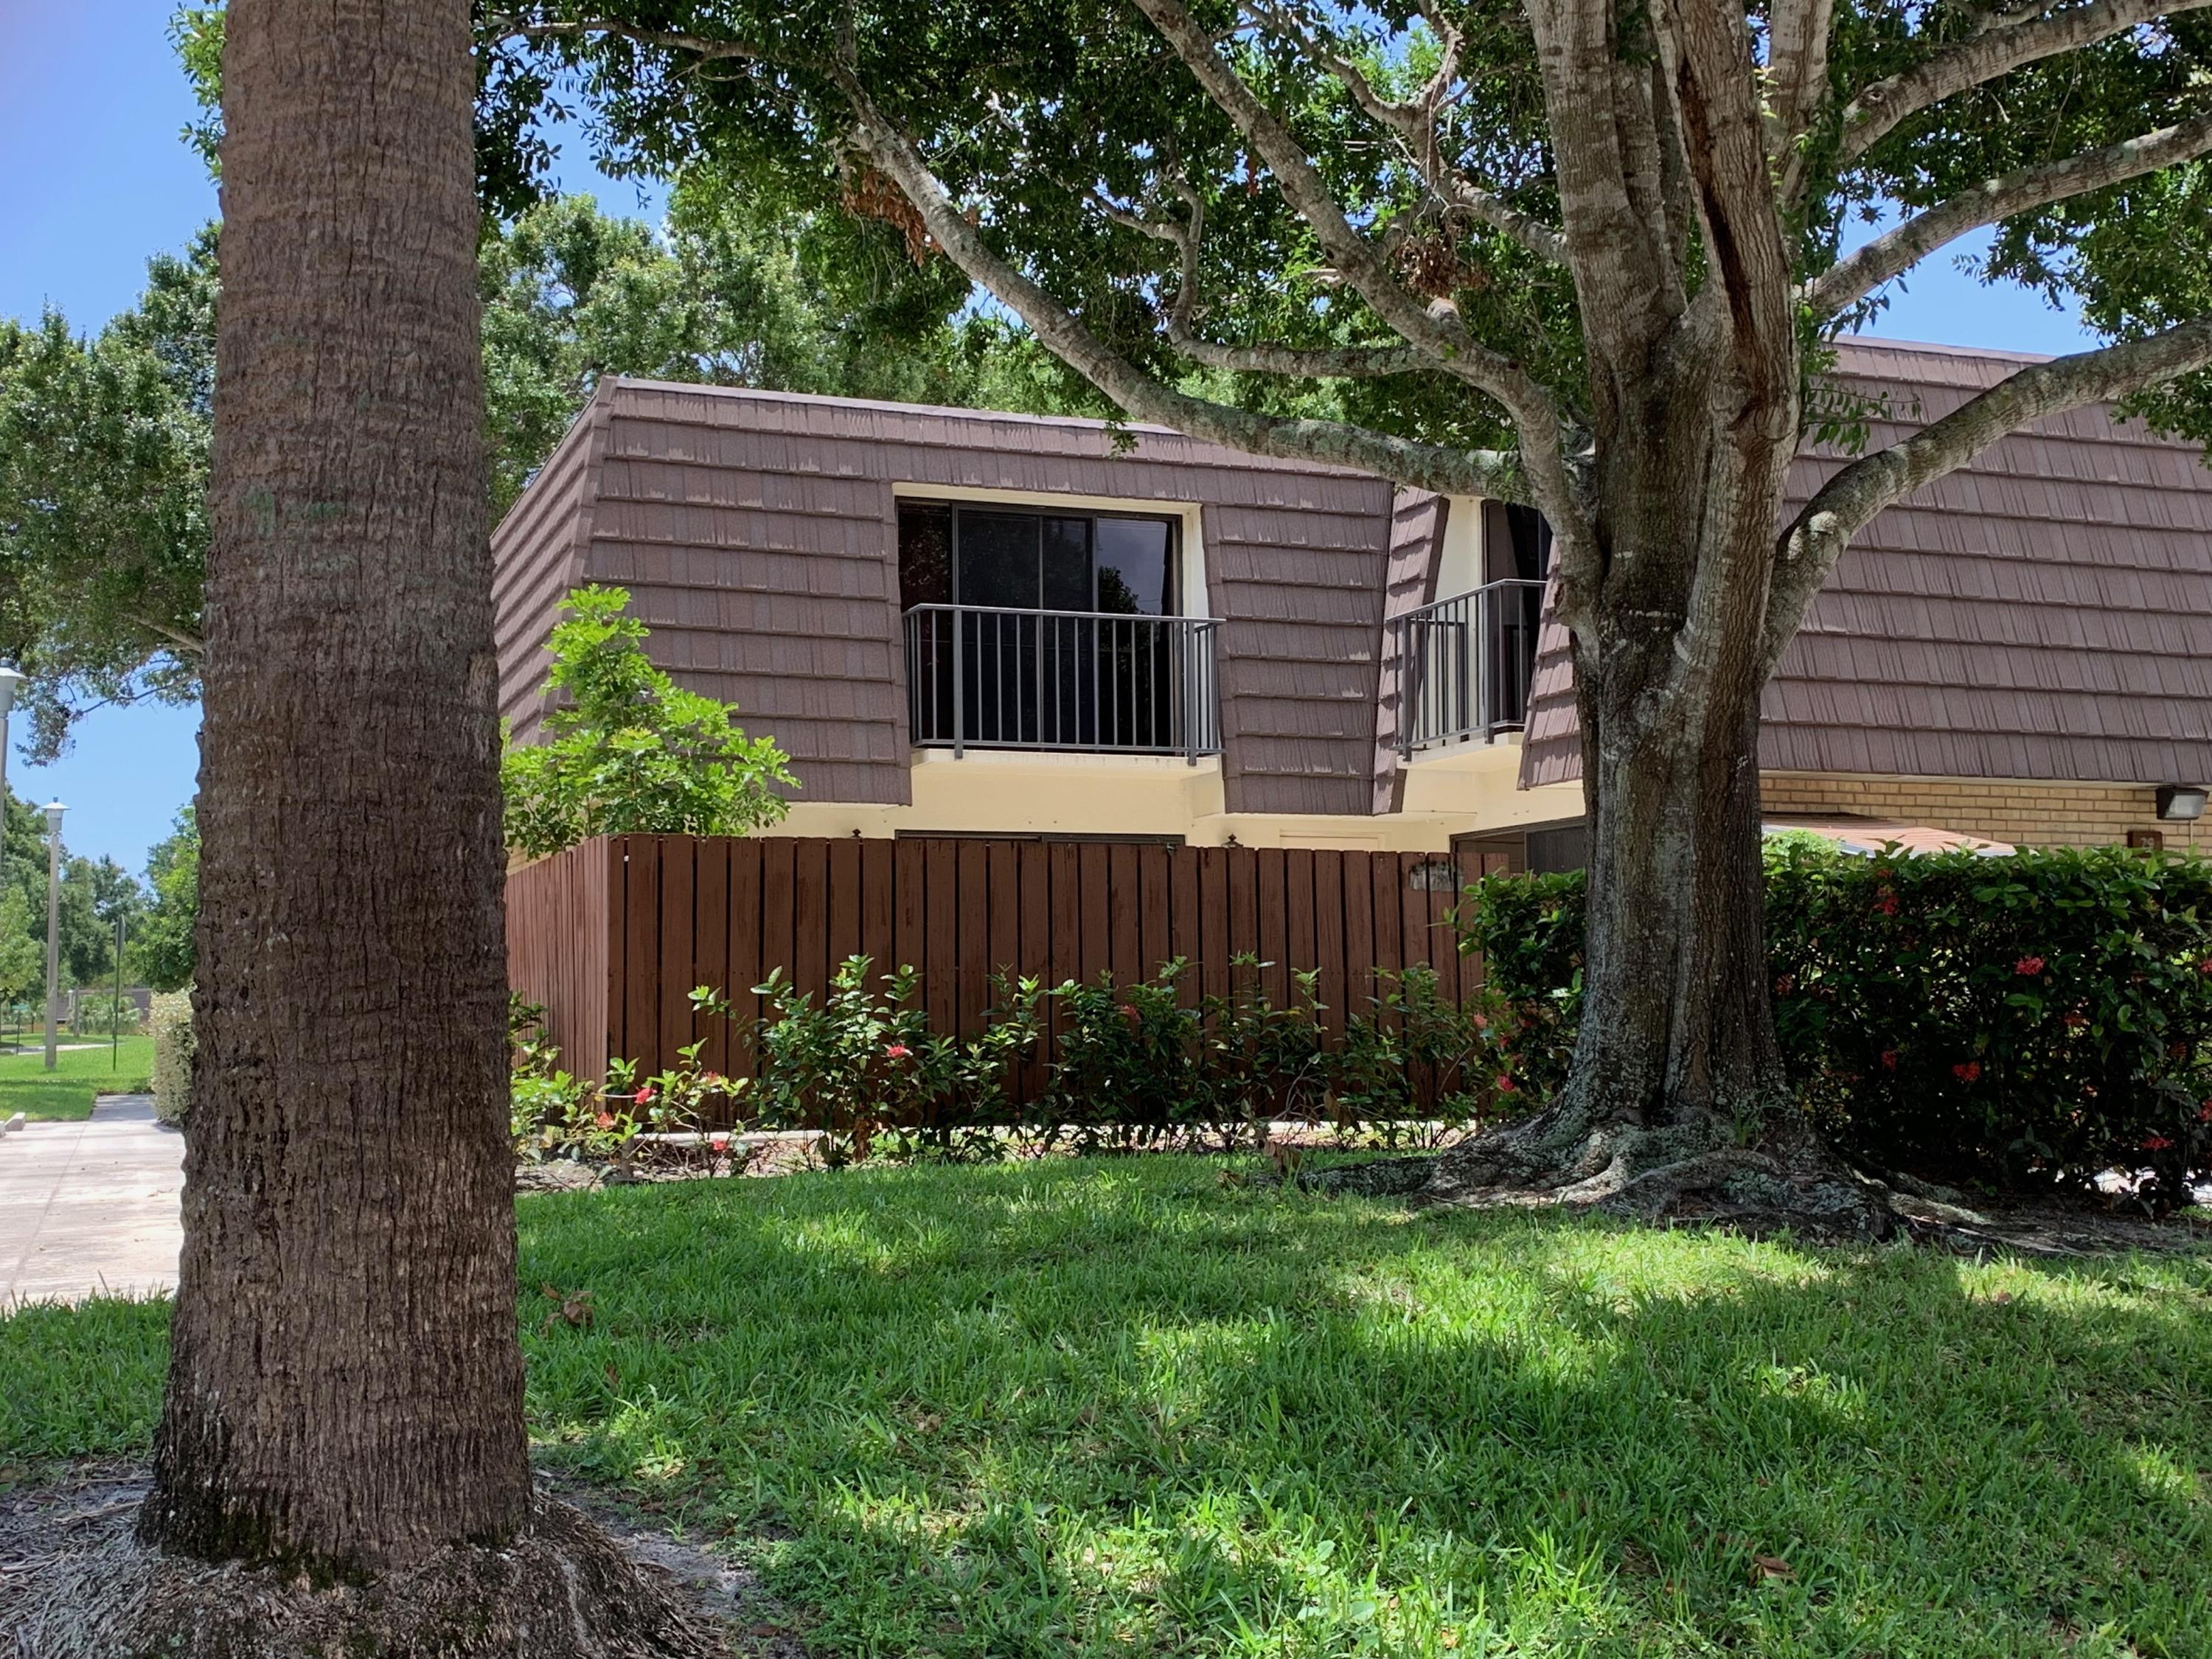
x,y
958,622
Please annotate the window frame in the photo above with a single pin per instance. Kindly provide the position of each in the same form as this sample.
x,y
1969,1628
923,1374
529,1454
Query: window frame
x,y
954,506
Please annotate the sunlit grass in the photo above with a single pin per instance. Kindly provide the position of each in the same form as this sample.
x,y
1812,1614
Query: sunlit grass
x,y
1114,1407
79,1075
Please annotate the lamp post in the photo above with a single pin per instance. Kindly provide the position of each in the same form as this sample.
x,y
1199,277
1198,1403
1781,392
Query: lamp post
x,y
10,679
54,811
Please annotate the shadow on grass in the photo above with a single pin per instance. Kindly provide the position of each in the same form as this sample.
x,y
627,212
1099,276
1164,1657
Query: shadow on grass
x,y
1114,1407
1095,1408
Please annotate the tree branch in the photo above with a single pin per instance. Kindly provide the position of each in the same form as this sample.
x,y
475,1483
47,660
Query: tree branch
x,y
1435,329
1809,548
1413,123
1852,279
1430,466
1877,110
700,46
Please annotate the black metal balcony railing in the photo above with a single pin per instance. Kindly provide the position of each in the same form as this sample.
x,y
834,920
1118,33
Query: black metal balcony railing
x,y
1464,664
1062,679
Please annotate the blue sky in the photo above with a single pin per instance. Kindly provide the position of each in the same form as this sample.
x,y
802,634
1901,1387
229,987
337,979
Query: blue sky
x,y
92,104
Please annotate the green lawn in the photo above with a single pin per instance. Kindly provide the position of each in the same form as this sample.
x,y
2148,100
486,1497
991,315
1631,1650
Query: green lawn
x,y
67,1092
1116,1408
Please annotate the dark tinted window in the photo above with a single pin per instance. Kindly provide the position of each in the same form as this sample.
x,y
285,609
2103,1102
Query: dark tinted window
x,y
924,554
999,561
1133,567
1068,564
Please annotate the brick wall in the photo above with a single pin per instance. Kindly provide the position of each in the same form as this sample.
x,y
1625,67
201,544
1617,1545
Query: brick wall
x,y
2035,814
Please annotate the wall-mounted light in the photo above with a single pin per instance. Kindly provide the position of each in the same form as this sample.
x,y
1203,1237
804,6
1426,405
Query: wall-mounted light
x,y
2179,803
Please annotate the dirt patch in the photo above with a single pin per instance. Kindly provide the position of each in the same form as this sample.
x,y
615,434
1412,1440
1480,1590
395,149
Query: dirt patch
x,y
65,1540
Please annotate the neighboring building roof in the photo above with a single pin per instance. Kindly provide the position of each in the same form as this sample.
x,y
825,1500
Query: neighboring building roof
x,y
2042,612
1868,836
757,532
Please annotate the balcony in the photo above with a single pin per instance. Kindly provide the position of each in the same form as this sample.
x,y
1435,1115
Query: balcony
x,y
1464,665
1087,681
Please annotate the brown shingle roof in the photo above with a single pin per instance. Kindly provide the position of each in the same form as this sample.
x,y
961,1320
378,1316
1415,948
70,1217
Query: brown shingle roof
x,y
2044,613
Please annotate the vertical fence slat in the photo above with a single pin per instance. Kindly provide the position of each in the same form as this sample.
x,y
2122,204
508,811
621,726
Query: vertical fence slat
x,y
1130,967
1004,889
810,916
941,935
876,927
843,901
909,900
1272,910
1034,861
779,906
746,969
678,855
1096,953
1217,885
1329,938
1298,917
1185,938
1358,933
975,947
710,904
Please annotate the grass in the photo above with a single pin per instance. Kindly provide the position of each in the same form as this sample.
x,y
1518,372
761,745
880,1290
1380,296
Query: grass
x,y
1115,1408
79,1074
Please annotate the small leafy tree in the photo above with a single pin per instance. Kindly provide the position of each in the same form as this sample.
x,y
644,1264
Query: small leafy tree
x,y
629,751
165,934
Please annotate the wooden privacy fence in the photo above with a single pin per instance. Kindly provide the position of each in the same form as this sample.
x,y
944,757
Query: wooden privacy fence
x,y
612,936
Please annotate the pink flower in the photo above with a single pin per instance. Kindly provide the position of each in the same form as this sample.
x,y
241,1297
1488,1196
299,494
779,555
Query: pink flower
x,y
1886,904
1506,1085
2156,1143
720,1139
2027,965
2204,1113
898,1051
604,1119
712,1080
1129,1012
644,1093
1968,1073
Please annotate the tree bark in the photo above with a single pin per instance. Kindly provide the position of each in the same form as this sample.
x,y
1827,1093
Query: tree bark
x,y
345,1387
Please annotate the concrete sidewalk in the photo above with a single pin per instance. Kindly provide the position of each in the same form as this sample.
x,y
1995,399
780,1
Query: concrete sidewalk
x,y
90,1208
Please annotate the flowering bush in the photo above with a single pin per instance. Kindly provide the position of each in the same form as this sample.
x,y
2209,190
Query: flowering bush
x,y
2037,1016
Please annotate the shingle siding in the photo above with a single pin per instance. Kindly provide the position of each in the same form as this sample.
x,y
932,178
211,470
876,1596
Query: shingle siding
x,y
757,534
2044,612
1417,539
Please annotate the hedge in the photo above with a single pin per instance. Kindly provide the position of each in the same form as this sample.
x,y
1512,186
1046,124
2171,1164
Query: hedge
x,y
2020,1019
170,1019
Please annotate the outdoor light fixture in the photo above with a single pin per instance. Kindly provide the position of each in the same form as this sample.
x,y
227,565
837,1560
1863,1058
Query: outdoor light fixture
x,y
2179,803
10,679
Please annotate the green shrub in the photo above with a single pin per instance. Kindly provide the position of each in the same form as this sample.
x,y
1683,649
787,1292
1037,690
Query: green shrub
x,y
171,1023
2039,1017
629,750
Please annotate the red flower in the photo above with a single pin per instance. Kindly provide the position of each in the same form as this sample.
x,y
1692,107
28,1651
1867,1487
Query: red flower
x,y
2204,966
1968,1073
1889,1060
898,1051
606,1119
2076,1019
1785,984
2156,1143
1129,1012
2204,1113
2027,965
1886,904
1506,1085
712,1080
644,1094
720,1137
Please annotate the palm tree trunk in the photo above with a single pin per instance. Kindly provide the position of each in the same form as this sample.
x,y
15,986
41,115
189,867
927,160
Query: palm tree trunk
x,y
345,1390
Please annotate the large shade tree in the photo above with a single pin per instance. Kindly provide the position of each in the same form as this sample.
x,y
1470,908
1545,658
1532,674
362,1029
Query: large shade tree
x,y
343,1414
1581,255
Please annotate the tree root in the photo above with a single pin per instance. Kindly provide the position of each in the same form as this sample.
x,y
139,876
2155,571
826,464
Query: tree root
x,y
1680,1172
564,1590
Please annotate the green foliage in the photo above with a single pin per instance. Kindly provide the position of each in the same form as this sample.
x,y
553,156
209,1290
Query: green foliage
x,y
866,1066
1112,1406
93,891
103,487
629,751
1125,1065
164,949
170,1023
2043,1016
